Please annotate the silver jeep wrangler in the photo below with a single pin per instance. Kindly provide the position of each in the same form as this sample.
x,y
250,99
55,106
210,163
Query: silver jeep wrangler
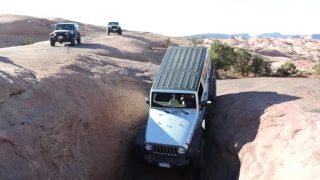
x,y
173,135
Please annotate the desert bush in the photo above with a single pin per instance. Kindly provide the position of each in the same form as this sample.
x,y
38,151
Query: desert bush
x,y
196,41
223,56
288,68
260,66
242,64
167,42
316,68
27,41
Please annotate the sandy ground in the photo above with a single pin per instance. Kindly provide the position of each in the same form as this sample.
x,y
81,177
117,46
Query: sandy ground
x,y
73,112
15,28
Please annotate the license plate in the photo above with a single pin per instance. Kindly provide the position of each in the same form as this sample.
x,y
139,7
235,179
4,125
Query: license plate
x,y
60,37
114,29
165,165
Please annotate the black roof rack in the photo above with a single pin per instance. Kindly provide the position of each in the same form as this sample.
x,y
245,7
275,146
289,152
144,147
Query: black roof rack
x,y
181,68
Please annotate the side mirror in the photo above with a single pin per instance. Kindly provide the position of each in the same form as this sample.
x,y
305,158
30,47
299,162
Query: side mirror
x,y
147,100
203,104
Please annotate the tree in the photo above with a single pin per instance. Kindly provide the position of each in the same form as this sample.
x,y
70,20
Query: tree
x,y
260,65
243,62
288,68
196,41
222,56
167,42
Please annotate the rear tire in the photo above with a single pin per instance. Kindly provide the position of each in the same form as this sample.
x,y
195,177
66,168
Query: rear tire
x,y
52,42
79,40
213,96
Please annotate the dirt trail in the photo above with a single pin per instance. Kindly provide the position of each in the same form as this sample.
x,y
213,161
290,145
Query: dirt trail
x,y
76,112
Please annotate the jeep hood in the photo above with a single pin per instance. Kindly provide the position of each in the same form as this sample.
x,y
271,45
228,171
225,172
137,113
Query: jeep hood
x,y
174,128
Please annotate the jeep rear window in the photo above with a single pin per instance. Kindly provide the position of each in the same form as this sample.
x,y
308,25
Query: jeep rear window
x,y
179,100
64,27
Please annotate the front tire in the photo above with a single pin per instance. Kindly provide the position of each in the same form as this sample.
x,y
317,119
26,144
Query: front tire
x,y
52,42
199,161
72,41
139,147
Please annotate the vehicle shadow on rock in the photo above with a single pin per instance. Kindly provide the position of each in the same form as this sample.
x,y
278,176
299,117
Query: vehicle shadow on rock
x,y
233,121
8,61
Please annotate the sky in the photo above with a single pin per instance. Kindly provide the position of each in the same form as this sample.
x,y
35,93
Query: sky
x,y
181,17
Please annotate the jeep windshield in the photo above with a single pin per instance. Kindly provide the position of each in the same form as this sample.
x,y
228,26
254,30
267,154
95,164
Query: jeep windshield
x,y
113,23
64,27
174,100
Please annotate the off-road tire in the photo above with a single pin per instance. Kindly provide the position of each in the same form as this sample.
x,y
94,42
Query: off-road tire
x,y
108,32
79,40
73,41
199,162
139,148
120,32
52,42
213,96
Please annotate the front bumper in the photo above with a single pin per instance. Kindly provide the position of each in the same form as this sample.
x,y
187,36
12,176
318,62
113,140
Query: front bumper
x,y
113,30
173,161
61,38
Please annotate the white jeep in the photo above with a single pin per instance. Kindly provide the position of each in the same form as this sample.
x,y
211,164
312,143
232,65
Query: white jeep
x,y
114,27
173,135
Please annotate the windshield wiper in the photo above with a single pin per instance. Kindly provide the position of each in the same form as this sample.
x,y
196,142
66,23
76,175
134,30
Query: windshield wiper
x,y
185,112
161,106
164,109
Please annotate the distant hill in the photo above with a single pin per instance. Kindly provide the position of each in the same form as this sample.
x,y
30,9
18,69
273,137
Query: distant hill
x,y
217,35
315,36
246,35
277,35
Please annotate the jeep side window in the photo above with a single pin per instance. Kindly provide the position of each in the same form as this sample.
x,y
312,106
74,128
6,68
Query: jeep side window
x,y
205,72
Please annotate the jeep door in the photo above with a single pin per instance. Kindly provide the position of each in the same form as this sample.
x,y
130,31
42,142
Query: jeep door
x,y
203,92
203,97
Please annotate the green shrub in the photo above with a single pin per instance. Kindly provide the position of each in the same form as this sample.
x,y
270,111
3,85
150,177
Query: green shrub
x,y
260,66
243,62
27,41
223,56
288,68
316,68
167,42
196,41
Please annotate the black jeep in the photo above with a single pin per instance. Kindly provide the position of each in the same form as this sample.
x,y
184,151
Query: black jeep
x,y
114,27
65,32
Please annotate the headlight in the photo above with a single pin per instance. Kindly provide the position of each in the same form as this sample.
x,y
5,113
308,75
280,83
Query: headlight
x,y
66,33
148,147
182,150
